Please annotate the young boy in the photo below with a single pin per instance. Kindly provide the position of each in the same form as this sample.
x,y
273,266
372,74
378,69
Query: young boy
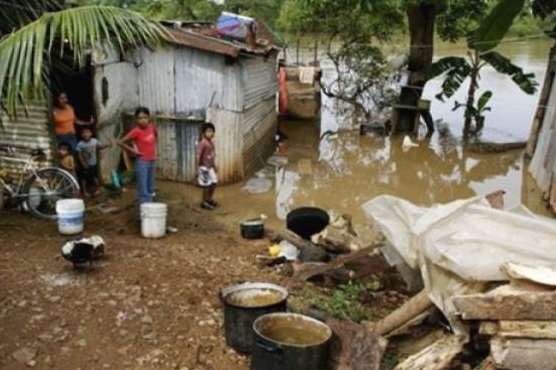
x,y
87,153
66,159
207,168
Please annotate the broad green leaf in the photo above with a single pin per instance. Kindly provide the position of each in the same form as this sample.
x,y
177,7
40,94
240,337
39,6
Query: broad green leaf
x,y
496,24
525,81
457,69
483,101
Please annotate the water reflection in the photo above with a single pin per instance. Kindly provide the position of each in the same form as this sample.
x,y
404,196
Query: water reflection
x,y
342,171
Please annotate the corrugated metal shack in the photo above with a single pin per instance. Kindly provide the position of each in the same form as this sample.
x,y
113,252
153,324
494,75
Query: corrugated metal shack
x,y
542,142
27,131
196,77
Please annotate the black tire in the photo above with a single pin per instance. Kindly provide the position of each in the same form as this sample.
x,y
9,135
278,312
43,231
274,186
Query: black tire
x,y
307,221
57,183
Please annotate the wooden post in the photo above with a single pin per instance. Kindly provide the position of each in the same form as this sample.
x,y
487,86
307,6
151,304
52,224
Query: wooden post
x,y
316,51
297,52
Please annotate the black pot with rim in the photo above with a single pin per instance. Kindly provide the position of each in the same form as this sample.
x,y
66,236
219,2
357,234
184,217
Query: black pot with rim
x,y
288,341
243,304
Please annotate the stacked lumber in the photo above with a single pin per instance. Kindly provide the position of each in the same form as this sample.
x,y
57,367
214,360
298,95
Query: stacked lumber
x,y
518,318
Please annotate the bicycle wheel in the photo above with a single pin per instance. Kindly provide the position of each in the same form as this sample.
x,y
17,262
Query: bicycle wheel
x,y
45,188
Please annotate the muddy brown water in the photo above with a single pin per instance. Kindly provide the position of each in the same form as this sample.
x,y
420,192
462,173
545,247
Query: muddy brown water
x,y
292,330
255,298
342,172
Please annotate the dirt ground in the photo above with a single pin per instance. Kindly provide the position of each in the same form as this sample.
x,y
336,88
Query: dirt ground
x,y
150,304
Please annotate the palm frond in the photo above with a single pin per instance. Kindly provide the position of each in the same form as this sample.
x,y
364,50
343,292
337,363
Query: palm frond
x,y
496,24
525,81
15,14
457,69
25,52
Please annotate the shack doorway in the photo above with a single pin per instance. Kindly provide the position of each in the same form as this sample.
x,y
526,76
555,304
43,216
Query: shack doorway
x,y
77,83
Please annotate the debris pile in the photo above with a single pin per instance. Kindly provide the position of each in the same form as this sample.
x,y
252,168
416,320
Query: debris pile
x,y
490,272
483,279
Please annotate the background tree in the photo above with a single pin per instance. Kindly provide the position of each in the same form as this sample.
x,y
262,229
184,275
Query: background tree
x,y
481,43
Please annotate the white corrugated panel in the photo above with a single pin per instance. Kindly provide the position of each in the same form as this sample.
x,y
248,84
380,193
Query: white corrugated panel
x,y
156,80
29,130
538,169
228,144
253,116
202,78
119,94
259,79
258,126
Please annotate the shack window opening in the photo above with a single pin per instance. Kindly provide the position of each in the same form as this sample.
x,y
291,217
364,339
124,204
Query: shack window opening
x,y
104,91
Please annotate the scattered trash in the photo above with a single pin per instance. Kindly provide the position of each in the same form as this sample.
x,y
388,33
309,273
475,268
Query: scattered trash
x,y
84,250
407,144
288,251
277,161
171,229
258,185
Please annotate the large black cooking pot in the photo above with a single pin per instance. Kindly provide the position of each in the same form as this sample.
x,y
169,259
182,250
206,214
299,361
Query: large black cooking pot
x,y
287,341
307,221
243,304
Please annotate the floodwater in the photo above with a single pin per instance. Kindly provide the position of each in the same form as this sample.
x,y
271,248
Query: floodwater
x,y
341,172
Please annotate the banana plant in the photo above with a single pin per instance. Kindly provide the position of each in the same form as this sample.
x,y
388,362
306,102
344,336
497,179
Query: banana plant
x,y
43,31
481,54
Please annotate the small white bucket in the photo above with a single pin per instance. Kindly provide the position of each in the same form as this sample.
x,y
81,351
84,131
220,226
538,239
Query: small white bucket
x,y
153,220
70,214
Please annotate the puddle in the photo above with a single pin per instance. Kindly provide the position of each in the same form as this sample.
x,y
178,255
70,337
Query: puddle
x,y
59,280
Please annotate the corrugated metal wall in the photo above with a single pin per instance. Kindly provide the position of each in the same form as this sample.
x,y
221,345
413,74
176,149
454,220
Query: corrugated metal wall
x,y
540,166
177,144
258,127
202,77
176,81
259,79
30,130
228,144
156,80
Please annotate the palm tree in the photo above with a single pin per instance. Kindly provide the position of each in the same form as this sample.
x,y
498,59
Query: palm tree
x,y
481,44
36,34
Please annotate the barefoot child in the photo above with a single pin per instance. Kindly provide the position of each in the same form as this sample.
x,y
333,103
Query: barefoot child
x,y
87,154
206,155
66,159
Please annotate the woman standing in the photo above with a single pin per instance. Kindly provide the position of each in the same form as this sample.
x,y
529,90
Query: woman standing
x,y
64,120
144,136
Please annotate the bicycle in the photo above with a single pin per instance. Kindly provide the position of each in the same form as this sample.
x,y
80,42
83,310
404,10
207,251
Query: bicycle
x,y
36,189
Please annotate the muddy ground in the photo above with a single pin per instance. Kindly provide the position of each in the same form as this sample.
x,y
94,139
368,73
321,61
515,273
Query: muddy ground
x,y
150,304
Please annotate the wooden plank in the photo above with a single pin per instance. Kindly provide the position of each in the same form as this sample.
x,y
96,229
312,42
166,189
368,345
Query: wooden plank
x,y
437,356
520,329
507,305
487,364
523,354
404,314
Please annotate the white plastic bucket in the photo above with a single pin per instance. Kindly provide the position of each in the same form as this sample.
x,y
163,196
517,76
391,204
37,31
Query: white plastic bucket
x,y
153,220
71,214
